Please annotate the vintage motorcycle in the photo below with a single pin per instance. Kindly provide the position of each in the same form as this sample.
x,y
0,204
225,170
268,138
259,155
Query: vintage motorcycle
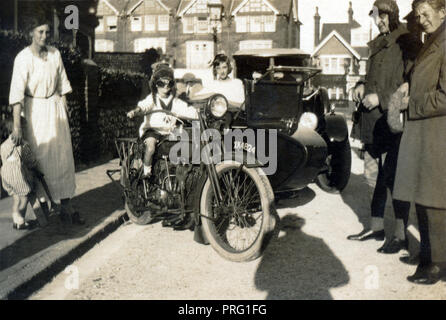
x,y
229,203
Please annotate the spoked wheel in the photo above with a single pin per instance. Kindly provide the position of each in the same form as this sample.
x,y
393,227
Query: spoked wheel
x,y
339,163
240,229
135,204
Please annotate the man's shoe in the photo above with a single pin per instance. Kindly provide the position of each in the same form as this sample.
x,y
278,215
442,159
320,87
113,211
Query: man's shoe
x,y
393,246
410,260
427,275
368,235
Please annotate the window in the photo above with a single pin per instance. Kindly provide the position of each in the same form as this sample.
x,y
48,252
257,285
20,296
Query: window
x,y
241,24
188,25
255,24
270,23
163,23
149,23
202,25
334,64
141,44
360,37
326,65
100,28
112,23
261,23
103,45
339,94
136,24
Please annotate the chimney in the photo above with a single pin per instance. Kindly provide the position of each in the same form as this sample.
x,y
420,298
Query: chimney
x,y
317,28
350,13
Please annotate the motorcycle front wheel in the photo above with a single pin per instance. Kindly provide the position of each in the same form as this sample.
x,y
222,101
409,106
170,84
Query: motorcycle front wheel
x,y
242,226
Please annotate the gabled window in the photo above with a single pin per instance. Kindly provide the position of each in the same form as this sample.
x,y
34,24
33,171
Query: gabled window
x,y
112,23
163,23
150,23
136,24
257,23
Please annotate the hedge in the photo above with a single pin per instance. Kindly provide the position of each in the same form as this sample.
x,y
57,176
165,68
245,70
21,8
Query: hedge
x,y
119,92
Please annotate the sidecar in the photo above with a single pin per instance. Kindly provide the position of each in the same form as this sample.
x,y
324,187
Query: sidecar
x,y
312,140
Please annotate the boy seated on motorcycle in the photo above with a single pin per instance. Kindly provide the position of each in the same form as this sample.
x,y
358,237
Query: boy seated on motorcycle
x,y
157,125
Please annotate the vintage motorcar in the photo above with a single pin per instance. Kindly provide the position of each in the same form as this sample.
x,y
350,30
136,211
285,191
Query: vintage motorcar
x,y
312,143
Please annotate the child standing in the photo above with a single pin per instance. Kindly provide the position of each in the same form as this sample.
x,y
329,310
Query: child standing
x,y
18,174
157,125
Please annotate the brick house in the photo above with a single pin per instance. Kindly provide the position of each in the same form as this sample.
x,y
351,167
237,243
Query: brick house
x,y
192,31
342,54
135,25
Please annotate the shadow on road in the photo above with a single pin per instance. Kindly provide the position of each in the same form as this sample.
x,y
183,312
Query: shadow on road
x,y
296,198
93,205
296,265
357,195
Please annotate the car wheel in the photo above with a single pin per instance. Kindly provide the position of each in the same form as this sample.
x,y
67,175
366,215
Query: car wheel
x,y
335,177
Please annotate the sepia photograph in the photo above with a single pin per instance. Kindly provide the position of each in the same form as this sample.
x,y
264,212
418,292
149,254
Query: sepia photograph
x,y
221,154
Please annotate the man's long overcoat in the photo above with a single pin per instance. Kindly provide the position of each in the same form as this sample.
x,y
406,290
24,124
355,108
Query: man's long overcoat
x,y
421,171
390,57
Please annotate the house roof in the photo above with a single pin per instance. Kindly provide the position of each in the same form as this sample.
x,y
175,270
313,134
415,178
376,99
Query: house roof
x,y
282,6
184,4
127,5
334,33
363,51
344,29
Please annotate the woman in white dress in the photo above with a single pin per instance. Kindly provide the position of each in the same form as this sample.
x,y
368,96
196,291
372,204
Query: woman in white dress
x,y
38,88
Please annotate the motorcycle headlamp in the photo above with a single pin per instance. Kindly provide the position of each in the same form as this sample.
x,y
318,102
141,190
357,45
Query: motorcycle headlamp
x,y
218,106
308,120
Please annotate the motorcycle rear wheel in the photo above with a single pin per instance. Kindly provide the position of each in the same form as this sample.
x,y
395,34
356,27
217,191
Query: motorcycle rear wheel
x,y
240,214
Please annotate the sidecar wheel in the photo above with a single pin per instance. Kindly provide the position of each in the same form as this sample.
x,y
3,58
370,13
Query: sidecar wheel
x,y
240,229
339,163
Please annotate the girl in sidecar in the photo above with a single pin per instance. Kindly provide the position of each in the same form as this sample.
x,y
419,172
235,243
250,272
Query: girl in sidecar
x,y
157,125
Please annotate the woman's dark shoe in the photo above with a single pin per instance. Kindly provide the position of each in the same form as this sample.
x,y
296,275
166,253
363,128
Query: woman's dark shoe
x,y
368,235
394,246
427,275
77,219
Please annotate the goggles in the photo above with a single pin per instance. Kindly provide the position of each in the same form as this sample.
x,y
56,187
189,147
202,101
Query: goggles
x,y
165,83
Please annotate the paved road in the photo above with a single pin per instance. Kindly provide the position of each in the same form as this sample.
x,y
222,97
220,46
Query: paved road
x,y
310,259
